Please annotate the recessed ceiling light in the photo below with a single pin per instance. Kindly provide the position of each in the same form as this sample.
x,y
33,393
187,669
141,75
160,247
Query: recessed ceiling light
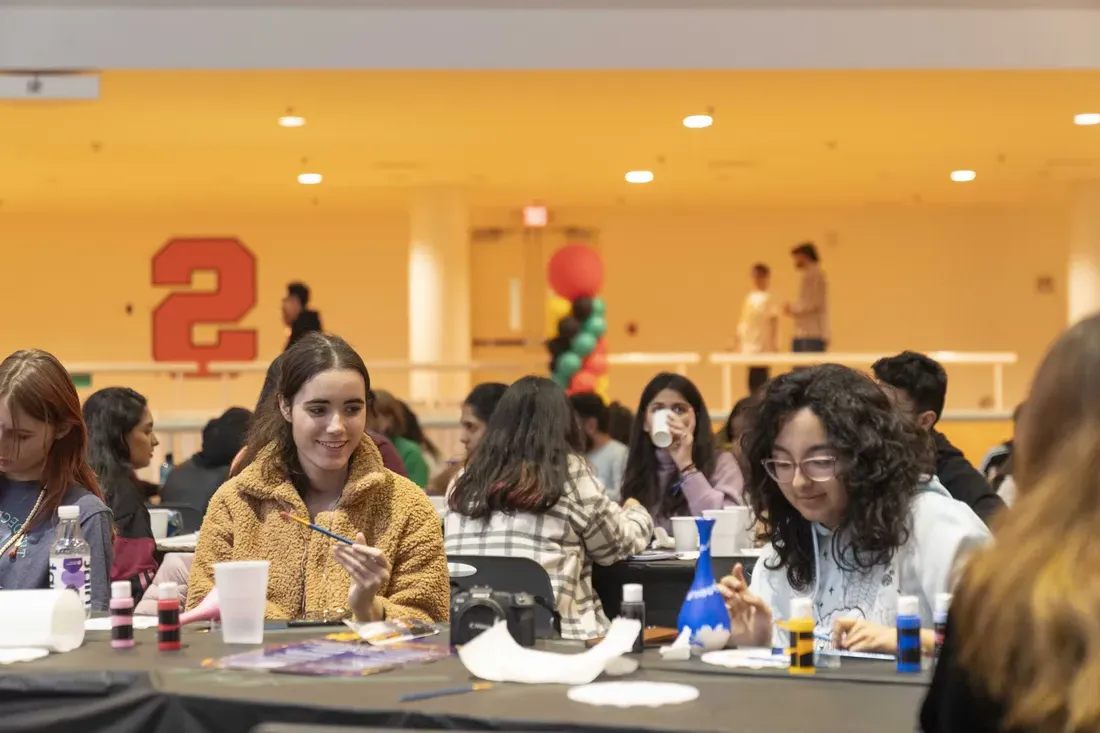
x,y
1087,118
639,176
291,121
309,179
697,122
963,176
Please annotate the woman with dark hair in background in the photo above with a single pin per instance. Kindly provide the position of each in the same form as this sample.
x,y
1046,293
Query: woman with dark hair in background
x,y
388,418
308,455
121,441
528,492
1022,651
839,480
194,481
415,433
689,476
43,467
477,408
729,436
620,422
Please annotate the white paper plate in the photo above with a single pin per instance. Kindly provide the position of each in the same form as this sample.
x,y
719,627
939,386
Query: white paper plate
x,y
752,658
633,694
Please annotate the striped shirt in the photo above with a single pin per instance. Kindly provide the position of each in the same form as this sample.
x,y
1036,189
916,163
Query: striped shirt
x,y
582,527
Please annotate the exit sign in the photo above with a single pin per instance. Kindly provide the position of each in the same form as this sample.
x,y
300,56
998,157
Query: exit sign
x,y
535,216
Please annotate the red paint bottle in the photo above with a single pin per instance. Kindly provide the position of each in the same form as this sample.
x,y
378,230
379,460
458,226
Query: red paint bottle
x,y
168,618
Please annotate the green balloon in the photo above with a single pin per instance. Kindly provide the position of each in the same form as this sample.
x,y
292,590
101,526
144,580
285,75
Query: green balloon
x,y
559,380
598,307
595,325
583,344
569,364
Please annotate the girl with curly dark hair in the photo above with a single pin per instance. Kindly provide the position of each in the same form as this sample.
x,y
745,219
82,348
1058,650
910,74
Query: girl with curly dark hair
x,y
841,482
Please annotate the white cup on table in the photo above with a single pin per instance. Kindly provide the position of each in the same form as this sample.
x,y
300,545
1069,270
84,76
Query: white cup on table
x,y
158,519
685,534
732,530
242,600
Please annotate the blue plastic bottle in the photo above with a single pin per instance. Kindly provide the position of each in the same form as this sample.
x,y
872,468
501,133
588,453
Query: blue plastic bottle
x,y
908,634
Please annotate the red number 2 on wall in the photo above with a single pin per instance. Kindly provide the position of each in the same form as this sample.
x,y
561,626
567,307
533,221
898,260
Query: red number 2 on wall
x,y
174,319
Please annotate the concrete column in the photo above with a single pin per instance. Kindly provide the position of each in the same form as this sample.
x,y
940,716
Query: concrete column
x,y
1084,252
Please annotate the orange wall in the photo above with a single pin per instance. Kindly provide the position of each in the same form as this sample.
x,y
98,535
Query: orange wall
x,y
907,277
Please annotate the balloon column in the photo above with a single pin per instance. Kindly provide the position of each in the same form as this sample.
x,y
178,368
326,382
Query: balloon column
x,y
575,321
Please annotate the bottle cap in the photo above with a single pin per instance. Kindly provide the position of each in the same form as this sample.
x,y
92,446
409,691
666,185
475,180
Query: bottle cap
x,y
802,608
908,606
943,602
167,590
121,589
632,593
70,511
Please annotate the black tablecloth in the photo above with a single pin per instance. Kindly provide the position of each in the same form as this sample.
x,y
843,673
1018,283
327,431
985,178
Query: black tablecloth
x,y
665,582
98,689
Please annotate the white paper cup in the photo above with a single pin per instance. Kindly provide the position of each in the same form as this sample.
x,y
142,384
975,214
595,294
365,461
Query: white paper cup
x,y
158,518
50,619
658,429
242,599
735,525
685,533
723,544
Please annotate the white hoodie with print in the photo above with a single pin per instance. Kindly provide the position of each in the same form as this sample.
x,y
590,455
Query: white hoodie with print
x,y
943,531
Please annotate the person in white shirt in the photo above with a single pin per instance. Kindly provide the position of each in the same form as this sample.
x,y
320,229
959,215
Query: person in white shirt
x,y
758,328
842,484
606,455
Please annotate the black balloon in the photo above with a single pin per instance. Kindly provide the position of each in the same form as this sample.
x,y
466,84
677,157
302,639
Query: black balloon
x,y
569,327
557,346
582,308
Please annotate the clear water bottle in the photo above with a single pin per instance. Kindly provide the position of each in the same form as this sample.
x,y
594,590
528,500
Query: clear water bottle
x,y
166,467
71,557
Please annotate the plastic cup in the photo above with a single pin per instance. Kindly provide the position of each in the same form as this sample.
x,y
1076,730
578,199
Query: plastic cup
x,y
158,518
242,599
658,429
733,530
685,534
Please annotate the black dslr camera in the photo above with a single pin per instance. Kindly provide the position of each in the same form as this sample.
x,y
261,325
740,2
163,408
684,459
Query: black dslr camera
x,y
480,608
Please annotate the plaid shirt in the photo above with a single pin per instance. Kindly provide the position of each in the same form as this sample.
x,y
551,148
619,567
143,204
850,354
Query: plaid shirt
x,y
583,526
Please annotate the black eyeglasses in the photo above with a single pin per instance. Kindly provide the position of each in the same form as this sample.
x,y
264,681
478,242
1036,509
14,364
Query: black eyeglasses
x,y
817,469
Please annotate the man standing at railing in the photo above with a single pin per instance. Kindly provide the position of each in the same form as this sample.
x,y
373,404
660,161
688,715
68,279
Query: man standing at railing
x,y
811,311
758,328
296,315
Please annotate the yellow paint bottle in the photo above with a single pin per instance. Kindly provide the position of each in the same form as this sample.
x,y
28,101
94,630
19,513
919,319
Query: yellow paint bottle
x,y
801,628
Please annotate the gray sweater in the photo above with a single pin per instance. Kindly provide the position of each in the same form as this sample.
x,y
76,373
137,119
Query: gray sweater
x,y
30,568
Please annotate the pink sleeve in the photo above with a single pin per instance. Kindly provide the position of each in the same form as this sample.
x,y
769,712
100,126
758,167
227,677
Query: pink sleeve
x,y
724,489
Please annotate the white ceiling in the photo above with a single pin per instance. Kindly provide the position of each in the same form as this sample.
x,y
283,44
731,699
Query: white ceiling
x,y
568,4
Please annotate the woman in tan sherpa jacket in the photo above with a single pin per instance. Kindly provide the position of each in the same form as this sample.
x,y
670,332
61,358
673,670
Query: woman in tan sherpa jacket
x,y
309,456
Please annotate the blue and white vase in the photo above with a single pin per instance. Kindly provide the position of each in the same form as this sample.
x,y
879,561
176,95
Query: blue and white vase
x,y
704,611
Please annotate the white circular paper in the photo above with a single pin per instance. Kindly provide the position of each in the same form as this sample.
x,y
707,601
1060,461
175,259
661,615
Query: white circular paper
x,y
753,658
633,694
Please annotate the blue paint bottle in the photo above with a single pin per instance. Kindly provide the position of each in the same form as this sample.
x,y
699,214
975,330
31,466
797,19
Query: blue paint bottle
x,y
908,634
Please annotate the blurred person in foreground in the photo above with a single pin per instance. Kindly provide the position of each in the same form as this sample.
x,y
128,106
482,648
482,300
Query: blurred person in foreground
x,y
917,386
193,482
606,455
1022,652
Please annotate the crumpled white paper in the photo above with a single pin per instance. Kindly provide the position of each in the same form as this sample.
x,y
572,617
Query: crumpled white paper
x,y
495,656
17,654
679,650
103,623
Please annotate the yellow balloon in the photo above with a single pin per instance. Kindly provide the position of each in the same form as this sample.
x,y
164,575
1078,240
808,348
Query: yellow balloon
x,y
603,382
557,308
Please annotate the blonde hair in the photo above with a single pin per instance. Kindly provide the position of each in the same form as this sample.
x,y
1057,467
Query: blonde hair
x,y
1028,608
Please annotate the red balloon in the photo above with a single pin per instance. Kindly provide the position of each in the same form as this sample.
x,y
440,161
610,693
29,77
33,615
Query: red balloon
x,y
596,363
601,348
575,271
583,381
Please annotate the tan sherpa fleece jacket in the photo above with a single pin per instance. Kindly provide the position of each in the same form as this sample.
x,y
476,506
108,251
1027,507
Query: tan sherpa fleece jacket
x,y
393,513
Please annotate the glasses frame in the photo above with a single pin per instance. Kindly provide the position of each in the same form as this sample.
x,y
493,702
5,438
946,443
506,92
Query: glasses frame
x,y
799,467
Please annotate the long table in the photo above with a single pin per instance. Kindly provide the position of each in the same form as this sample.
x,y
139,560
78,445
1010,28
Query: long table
x,y
95,688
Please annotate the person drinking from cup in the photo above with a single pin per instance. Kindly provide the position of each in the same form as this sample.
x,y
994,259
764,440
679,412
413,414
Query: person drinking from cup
x,y
308,456
43,444
853,520
672,467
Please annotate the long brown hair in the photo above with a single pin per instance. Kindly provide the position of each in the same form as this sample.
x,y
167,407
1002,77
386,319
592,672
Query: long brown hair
x,y
1028,608
38,386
